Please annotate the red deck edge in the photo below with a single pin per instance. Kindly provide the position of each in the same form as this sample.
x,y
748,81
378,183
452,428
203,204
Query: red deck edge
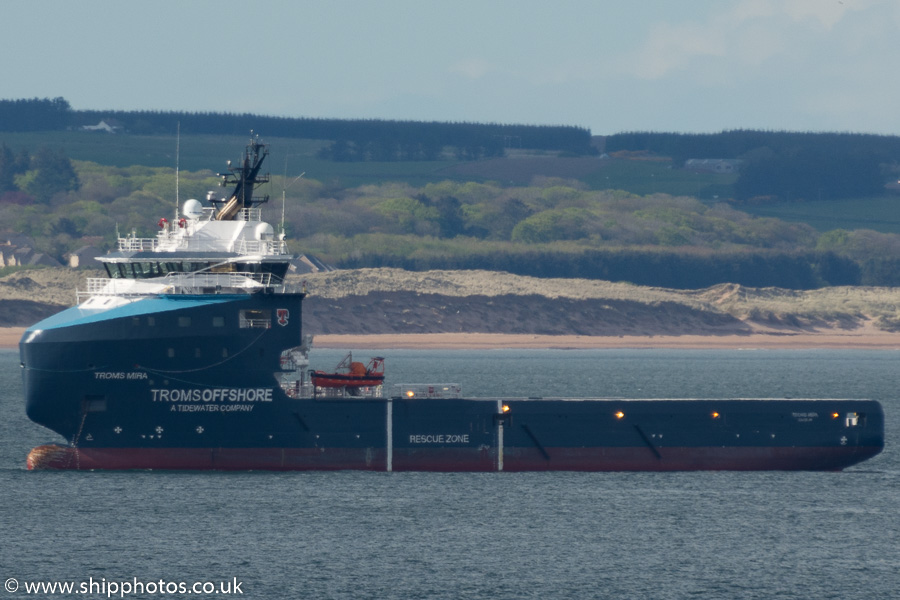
x,y
452,459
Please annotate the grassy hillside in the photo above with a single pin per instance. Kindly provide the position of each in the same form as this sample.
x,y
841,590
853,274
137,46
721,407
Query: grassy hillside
x,y
537,213
880,213
210,152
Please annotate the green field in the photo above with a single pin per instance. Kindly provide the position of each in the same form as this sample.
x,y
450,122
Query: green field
x,y
652,177
200,152
879,214
210,152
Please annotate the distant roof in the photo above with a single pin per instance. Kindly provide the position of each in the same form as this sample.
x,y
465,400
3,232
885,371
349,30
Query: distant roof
x,y
15,239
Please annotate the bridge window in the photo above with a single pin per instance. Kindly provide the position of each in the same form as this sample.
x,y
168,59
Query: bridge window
x,y
257,319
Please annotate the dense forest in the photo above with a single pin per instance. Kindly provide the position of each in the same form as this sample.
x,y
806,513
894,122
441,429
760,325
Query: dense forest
x,y
786,166
552,227
360,139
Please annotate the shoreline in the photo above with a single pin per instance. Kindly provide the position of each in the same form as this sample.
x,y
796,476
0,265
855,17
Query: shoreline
x,y
859,339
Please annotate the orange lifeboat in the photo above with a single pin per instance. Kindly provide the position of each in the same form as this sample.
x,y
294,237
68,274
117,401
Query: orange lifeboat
x,y
351,374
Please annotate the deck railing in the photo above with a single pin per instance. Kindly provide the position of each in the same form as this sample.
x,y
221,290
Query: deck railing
x,y
133,244
240,246
181,283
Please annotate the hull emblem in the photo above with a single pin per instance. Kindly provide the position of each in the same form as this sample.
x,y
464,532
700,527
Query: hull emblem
x,y
282,314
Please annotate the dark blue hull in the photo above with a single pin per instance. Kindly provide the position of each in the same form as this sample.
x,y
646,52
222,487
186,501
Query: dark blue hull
x,y
192,382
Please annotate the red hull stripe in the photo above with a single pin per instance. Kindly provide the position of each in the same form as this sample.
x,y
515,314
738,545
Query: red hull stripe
x,y
637,458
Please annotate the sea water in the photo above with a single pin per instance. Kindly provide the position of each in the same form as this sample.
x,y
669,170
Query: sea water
x,y
766,535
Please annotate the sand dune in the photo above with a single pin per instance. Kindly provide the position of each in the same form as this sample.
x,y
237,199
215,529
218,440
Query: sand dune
x,y
864,338
391,308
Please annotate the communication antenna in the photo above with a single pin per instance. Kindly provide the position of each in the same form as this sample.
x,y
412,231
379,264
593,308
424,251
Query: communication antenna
x,y
177,164
284,187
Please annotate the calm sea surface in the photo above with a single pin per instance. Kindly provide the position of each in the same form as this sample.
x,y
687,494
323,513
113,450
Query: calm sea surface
x,y
502,535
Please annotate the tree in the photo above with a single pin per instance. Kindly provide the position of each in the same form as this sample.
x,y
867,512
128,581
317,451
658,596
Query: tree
x,y
7,169
450,217
52,173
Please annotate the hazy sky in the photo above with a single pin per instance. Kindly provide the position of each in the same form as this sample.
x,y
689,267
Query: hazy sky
x,y
609,65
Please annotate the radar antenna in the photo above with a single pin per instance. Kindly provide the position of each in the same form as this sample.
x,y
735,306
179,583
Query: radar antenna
x,y
244,177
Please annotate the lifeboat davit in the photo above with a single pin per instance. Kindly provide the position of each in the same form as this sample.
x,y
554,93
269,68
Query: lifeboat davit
x,y
350,374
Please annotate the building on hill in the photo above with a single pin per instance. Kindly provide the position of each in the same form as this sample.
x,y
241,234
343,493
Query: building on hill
x,y
41,259
713,165
21,256
7,255
106,125
85,258
11,238
12,255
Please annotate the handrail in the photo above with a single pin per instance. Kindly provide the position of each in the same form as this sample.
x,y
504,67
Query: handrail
x,y
181,283
239,246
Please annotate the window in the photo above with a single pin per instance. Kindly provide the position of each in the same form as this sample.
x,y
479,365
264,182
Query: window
x,y
93,404
184,321
261,319
218,321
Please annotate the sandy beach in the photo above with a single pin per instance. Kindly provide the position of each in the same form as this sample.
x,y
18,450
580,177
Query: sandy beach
x,y
864,338
10,336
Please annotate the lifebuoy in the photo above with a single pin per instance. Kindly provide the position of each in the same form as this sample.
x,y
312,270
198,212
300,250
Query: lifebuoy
x,y
163,222
182,222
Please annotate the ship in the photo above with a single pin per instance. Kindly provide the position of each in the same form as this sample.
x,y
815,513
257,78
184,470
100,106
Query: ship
x,y
190,354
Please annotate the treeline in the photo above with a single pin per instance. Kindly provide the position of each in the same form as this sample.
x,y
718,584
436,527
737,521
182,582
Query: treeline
x,y
354,139
661,268
739,142
360,132
783,166
35,114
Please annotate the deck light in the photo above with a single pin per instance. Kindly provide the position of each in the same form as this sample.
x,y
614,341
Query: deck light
x,y
715,415
620,415
505,408
410,393
835,415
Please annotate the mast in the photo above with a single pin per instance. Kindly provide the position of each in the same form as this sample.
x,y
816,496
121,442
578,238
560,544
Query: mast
x,y
244,177
177,167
